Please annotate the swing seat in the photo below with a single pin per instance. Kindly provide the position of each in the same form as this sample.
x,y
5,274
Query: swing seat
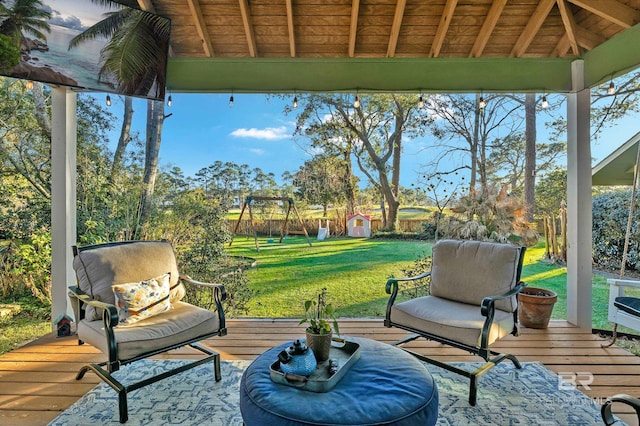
x,y
623,309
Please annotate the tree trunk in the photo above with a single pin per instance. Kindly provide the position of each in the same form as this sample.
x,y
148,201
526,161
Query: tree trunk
x,y
155,119
530,156
349,186
125,137
474,149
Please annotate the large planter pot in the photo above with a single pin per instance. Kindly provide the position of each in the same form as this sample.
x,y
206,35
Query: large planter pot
x,y
320,344
535,306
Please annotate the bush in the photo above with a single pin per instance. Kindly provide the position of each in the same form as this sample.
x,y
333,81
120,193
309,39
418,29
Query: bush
x,y
610,216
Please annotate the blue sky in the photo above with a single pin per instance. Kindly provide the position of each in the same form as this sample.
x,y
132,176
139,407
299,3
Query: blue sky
x,y
255,131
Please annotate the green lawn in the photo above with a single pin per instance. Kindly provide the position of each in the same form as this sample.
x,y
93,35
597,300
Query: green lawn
x,y
355,271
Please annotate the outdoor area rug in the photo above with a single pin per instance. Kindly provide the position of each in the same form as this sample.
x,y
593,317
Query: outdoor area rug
x,y
506,396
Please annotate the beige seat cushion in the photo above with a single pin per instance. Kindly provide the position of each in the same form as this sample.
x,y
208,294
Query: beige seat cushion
x,y
468,271
182,323
99,268
458,321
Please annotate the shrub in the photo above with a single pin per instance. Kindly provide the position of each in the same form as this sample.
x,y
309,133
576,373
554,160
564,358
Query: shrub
x,y
610,215
489,215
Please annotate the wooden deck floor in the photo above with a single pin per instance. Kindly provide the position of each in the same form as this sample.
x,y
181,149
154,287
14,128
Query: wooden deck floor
x,y
37,381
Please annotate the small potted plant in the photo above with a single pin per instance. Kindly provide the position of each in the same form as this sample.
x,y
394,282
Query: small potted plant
x,y
320,316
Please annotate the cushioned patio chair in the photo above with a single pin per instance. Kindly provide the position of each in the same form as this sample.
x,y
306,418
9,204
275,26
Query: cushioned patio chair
x,y
605,410
472,302
127,304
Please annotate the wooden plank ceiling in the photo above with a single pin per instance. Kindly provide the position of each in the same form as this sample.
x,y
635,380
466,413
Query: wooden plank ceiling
x,y
392,28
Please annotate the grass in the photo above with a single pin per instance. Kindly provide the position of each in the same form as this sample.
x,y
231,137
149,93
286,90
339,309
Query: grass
x,y
354,271
30,322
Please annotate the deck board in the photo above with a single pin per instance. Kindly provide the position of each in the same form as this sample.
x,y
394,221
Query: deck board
x,y
37,381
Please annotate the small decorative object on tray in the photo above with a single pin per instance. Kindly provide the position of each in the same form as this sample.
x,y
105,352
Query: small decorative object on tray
x,y
326,374
320,315
297,359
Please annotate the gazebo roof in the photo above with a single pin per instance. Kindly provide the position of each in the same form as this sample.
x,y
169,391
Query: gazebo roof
x,y
403,45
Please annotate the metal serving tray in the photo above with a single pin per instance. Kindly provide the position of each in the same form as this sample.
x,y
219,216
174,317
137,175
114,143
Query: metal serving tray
x,y
346,353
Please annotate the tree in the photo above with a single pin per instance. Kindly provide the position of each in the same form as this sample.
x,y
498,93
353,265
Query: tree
x,y
372,130
24,16
465,130
135,53
320,181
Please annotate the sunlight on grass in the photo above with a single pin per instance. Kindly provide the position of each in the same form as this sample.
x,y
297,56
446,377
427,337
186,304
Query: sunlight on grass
x,y
548,274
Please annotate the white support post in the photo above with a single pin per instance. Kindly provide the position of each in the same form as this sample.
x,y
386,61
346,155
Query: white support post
x,y
579,217
63,197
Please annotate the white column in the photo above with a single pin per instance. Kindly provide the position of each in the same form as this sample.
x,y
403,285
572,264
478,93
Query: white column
x,y
579,218
63,198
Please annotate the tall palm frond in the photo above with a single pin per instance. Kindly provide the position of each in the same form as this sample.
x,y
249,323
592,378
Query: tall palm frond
x,y
24,16
135,54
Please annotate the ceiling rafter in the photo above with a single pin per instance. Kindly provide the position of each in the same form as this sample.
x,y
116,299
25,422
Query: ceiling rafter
x,y
395,28
611,10
201,27
530,31
487,28
353,27
292,35
248,27
585,38
443,27
569,22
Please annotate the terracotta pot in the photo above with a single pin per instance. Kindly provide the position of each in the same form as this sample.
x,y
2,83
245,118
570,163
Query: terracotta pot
x,y
320,344
535,306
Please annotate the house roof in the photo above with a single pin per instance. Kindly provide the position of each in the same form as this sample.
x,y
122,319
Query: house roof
x,y
396,45
617,168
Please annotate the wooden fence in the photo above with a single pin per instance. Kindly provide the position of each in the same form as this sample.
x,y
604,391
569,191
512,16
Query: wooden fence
x,y
273,227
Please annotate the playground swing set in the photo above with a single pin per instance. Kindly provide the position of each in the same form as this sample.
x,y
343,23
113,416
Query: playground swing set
x,y
291,206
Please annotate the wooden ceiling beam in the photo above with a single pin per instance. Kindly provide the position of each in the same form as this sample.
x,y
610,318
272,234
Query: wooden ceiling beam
x,y
487,28
569,25
530,31
395,28
353,27
201,27
443,27
248,27
611,10
585,39
292,35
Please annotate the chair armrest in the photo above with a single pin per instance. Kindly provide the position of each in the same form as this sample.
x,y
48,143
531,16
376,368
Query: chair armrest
x,y
220,291
110,316
393,282
489,301
623,283
605,410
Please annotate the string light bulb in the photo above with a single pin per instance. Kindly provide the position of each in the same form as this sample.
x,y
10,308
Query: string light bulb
x,y
29,85
612,88
230,101
545,103
420,102
295,102
482,103
356,102
169,101
108,100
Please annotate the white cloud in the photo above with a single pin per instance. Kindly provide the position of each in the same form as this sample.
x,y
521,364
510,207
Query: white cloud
x,y
268,133
257,151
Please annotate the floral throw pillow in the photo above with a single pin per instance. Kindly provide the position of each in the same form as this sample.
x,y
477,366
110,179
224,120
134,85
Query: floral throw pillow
x,y
137,301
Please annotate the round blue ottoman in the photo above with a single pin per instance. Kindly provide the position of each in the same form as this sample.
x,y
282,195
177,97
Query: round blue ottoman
x,y
386,386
